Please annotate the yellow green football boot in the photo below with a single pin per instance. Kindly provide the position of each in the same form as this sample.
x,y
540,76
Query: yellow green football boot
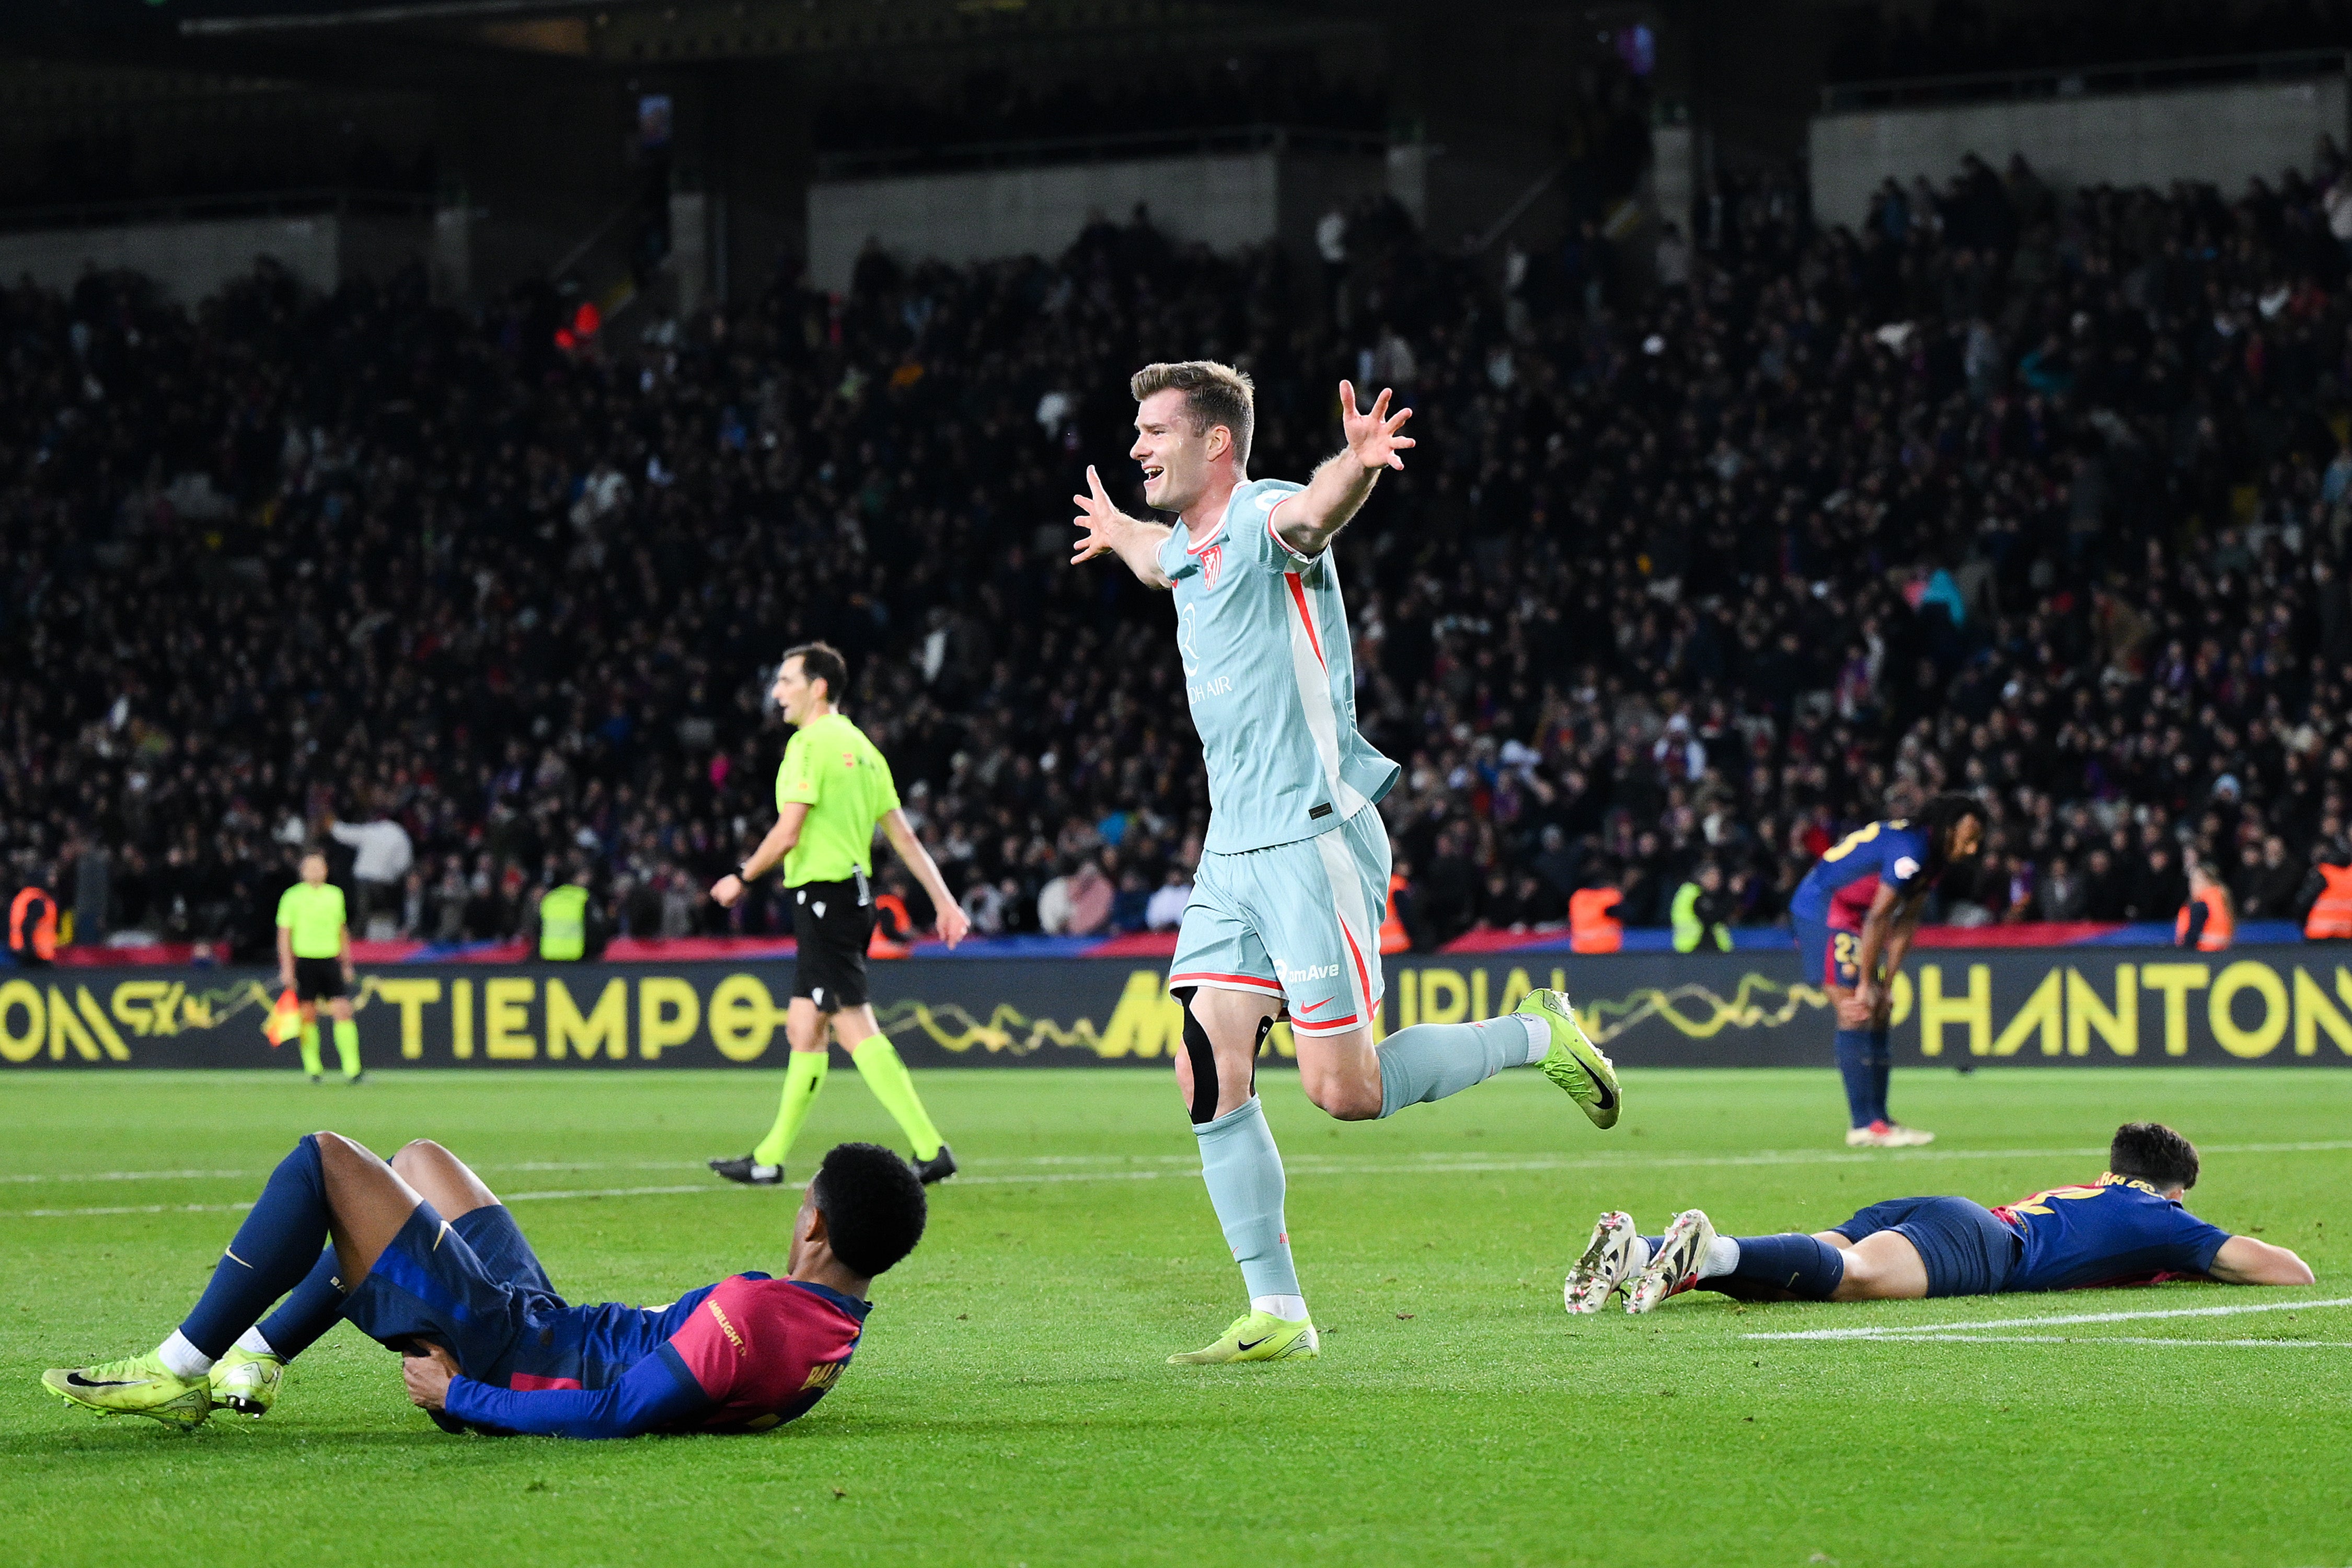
x,y
247,1383
1575,1063
140,1385
1255,1336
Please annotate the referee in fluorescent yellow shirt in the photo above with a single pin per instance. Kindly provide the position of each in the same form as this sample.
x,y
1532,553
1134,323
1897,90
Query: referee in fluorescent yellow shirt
x,y
314,959
832,791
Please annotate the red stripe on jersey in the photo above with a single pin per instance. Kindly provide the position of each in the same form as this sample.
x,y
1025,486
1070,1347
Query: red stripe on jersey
x,y
1298,603
531,1382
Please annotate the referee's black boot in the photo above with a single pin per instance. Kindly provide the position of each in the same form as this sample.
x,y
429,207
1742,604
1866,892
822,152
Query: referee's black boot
x,y
750,1172
938,1168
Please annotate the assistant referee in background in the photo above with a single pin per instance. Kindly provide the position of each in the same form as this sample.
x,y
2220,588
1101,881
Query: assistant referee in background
x,y
832,791
314,960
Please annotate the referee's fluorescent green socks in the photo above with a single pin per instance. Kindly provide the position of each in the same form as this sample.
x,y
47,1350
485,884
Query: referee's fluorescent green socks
x,y
347,1045
803,1076
878,1062
310,1049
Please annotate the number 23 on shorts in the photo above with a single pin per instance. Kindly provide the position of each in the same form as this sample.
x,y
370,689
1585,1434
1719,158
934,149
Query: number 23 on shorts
x,y
1845,953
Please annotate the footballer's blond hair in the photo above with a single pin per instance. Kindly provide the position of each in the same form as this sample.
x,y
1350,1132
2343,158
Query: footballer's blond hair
x,y
1213,395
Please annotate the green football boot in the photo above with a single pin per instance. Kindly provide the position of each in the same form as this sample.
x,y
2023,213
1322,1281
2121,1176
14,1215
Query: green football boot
x,y
1255,1336
1574,1063
247,1383
140,1385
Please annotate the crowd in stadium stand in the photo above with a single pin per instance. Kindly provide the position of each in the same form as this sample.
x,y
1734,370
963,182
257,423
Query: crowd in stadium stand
x,y
2041,497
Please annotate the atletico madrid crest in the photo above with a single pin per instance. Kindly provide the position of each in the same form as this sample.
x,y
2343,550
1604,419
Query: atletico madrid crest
x,y
1213,566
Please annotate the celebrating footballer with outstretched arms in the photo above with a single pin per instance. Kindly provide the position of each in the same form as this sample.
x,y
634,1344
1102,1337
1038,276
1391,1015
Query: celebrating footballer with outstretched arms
x,y
1293,882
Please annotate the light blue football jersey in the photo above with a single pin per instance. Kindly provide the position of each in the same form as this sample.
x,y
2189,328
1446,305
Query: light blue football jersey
x,y
1271,677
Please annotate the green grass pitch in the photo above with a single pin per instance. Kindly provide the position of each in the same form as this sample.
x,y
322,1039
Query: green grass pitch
x,y
1010,1405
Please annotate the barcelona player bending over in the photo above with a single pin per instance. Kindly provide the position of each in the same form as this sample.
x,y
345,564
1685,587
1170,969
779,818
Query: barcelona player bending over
x,y
1855,914
2126,1228
423,1258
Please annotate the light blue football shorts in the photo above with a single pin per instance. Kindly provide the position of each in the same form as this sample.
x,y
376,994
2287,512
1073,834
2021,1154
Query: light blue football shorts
x,y
1300,922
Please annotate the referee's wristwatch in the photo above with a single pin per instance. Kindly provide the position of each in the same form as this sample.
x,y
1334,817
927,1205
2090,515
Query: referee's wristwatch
x,y
743,872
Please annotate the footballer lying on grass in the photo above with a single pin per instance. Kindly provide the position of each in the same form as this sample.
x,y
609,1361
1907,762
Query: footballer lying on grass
x,y
2126,1228
438,1269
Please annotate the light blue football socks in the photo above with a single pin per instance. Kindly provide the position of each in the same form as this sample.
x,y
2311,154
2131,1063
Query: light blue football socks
x,y
1430,1061
1244,1172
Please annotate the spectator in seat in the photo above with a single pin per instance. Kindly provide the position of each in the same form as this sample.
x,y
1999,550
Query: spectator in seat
x,y
2063,895
1166,909
1092,896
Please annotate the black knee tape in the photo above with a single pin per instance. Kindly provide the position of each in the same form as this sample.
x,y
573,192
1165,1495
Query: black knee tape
x,y
1265,1028
1205,1067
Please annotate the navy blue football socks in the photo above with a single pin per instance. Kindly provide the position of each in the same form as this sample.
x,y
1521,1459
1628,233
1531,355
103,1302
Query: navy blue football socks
x,y
1798,1264
1861,1089
315,1306
275,1247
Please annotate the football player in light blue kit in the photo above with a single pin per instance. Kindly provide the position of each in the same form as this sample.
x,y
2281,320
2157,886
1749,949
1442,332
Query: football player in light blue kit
x,y
1292,887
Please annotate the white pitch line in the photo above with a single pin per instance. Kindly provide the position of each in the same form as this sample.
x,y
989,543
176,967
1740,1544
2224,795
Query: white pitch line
x,y
129,1208
1879,1331
135,1177
1181,1166
544,1165
1335,1164
240,1208
2103,1339
614,1193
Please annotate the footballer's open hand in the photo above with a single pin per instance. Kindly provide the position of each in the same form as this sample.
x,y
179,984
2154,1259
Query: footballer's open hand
x,y
1100,518
428,1373
1372,438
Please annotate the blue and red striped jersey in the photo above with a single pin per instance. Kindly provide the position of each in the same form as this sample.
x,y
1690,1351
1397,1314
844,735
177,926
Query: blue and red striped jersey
x,y
1842,883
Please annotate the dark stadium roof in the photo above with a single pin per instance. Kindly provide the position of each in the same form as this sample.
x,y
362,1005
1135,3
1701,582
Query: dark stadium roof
x,y
418,43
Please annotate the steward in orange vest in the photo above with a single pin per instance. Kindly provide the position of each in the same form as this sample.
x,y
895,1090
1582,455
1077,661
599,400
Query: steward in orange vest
x,y
1592,922
893,928
1394,938
2331,917
2206,921
33,926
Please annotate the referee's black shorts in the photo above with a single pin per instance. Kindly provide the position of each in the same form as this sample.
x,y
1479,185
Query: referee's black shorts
x,y
832,923
317,979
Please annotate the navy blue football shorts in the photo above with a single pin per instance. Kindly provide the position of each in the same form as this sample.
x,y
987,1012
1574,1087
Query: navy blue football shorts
x,y
471,1285
1968,1250
1826,955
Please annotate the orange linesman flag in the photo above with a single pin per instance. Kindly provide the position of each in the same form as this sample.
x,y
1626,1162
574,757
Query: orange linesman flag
x,y
285,1019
